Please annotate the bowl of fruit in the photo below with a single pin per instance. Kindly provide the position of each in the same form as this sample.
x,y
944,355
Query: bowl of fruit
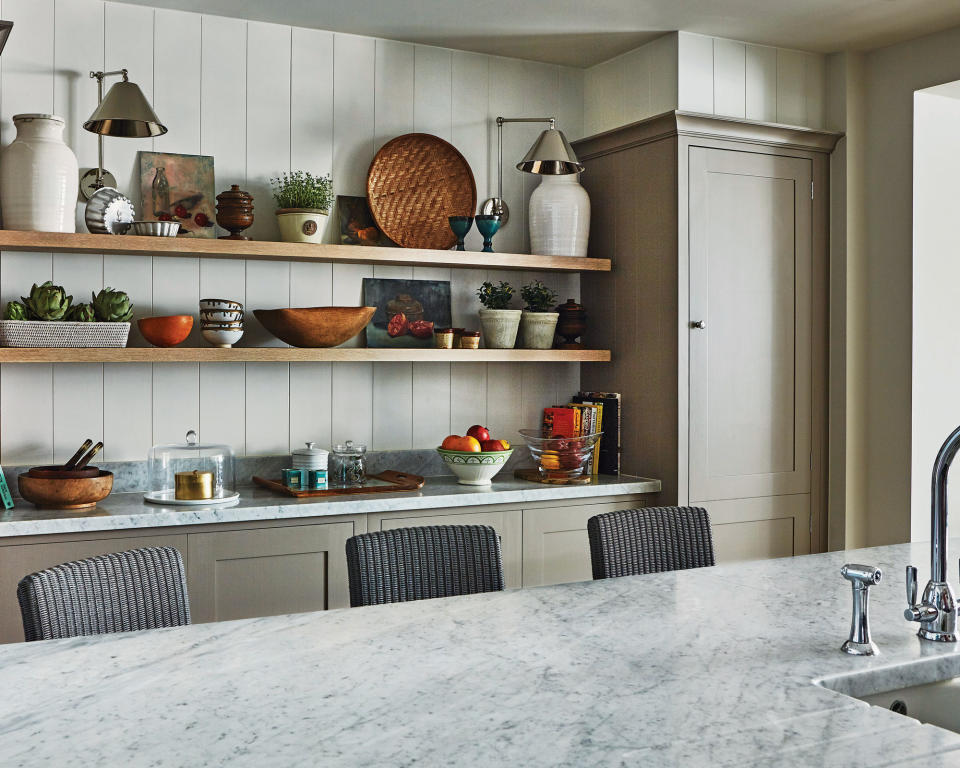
x,y
475,457
560,457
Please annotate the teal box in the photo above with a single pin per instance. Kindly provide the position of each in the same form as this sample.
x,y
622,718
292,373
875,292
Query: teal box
x,y
317,479
295,478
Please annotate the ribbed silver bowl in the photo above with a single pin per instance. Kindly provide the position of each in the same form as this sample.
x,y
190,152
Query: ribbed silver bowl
x,y
155,228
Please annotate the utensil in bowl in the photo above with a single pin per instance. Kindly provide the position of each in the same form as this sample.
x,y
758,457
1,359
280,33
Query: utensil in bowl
x,y
65,493
472,468
166,331
222,337
154,228
86,459
560,456
79,454
315,326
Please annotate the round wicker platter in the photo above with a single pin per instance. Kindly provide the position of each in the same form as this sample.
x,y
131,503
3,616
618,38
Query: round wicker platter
x,y
415,182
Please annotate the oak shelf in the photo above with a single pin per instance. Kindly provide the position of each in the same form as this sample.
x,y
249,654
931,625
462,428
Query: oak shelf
x,y
52,242
298,355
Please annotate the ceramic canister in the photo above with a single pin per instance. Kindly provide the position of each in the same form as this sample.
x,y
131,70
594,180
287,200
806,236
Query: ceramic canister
x,y
559,217
310,457
39,177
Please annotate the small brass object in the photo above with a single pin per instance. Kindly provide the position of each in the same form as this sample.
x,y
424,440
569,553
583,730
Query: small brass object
x,y
194,485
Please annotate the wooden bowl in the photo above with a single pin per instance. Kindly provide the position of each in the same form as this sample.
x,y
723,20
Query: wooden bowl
x,y
315,326
57,472
76,493
166,331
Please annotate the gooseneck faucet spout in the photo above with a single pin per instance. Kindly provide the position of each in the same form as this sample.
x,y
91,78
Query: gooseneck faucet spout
x,y
937,610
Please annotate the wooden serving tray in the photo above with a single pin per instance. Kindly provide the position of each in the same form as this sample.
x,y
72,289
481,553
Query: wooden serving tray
x,y
394,481
533,475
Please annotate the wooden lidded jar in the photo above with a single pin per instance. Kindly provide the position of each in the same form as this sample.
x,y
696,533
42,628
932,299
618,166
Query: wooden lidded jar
x,y
572,323
234,212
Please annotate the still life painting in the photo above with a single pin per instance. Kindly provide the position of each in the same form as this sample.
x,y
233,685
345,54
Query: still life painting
x,y
407,311
178,188
357,226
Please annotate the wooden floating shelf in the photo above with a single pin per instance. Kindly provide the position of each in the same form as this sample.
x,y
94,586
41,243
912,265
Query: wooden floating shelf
x,y
51,242
297,355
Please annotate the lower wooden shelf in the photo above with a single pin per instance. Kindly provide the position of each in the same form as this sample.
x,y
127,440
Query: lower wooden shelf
x,y
297,355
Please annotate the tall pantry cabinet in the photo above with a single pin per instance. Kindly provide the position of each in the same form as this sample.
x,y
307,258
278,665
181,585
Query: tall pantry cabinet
x,y
717,316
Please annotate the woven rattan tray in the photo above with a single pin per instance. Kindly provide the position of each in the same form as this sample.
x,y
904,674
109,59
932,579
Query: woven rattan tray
x,y
36,333
415,182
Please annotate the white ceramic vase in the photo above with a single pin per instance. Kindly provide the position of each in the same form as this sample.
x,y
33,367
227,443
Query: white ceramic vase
x,y
499,327
39,177
537,329
559,216
301,225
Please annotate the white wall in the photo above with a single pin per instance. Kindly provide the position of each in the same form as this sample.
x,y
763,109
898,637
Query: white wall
x,y
264,98
710,75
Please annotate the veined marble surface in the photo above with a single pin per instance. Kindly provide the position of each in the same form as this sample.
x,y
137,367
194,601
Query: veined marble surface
x,y
129,510
709,667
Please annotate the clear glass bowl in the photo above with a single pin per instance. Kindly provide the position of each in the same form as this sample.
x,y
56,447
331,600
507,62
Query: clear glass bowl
x,y
560,457
166,461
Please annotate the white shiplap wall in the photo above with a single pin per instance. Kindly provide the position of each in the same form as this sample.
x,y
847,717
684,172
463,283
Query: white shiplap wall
x,y
711,75
263,98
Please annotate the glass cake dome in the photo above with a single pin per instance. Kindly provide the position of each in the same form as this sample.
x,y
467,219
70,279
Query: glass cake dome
x,y
191,473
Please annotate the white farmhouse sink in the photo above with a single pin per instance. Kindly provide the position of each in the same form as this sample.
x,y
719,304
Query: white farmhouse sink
x,y
934,703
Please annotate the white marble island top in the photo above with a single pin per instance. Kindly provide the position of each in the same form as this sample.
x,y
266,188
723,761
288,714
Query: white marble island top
x,y
711,667
129,510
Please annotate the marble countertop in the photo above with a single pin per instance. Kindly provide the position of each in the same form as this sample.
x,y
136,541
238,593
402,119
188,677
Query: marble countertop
x,y
709,667
129,510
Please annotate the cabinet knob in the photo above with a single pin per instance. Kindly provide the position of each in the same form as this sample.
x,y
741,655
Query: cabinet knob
x,y
699,324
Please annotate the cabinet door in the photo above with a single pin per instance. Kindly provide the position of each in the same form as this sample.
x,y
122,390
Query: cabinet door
x,y
268,571
556,548
19,560
506,523
751,257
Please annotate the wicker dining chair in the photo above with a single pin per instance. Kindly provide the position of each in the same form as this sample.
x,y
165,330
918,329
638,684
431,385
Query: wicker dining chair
x,y
649,540
419,563
118,592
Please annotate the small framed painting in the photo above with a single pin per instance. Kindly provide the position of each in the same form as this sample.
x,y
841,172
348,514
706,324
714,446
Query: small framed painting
x,y
357,226
407,311
178,188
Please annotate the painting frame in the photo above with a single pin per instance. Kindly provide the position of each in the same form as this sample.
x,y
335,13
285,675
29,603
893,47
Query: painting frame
x,y
424,304
180,188
357,226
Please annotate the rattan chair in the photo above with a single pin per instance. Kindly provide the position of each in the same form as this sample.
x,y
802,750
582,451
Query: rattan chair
x,y
119,592
650,540
420,563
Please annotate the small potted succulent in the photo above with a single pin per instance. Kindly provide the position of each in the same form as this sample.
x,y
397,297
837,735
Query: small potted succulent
x,y
49,318
498,322
538,324
303,204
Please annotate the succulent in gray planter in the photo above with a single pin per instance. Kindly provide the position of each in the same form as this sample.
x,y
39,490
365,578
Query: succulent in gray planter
x,y
538,324
498,323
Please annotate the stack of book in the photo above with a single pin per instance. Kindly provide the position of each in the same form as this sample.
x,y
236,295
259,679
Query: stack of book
x,y
589,413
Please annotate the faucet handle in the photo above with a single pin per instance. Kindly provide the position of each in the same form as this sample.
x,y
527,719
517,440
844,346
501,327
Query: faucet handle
x,y
911,585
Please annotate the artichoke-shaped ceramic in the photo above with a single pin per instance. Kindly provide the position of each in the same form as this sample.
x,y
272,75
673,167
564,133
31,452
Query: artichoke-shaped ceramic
x,y
15,311
47,302
110,306
80,313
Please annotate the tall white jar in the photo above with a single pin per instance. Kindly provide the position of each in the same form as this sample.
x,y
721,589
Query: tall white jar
x,y
39,177
559,216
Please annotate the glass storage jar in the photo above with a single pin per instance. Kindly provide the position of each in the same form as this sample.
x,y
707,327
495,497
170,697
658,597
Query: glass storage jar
x,y
348,465
191,473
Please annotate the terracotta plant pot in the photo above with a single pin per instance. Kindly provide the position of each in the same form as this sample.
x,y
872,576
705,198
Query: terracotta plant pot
x,y
301,225
499,327
315,326
165,331
56,493
537,329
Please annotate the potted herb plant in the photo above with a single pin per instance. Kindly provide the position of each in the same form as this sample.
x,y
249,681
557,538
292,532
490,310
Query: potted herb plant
x,y
303,204
538,324
498,322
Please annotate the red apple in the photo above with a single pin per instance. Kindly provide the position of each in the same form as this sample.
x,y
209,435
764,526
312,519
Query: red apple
x,y
495,445
479,433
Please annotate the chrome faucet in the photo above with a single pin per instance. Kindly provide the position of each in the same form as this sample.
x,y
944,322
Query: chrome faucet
x,y
937,610
862,577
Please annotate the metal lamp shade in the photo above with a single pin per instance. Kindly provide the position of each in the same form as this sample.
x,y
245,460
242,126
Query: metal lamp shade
x,y
125,112
551,155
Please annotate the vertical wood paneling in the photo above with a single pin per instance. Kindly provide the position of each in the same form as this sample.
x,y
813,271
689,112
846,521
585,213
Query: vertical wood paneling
x,y
176,62
815,81
430,406
351,394
28,59
468,397
223,404
761,83
695,75
729,78
268,408
432,91
471,129
393,90
176,401
77,407
26,401
310,403
507,98
636,84
353,112
603,96
663,73
791,87
127,411
392,384
541,84
570,109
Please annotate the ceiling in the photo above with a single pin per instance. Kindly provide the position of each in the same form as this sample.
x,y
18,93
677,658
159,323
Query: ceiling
x,y
585,32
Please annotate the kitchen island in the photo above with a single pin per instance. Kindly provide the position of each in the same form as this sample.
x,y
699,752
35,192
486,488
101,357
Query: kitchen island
x,y
709,667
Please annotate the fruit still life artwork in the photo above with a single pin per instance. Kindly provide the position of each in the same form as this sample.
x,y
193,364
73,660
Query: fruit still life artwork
x,y
357,226
178,188
407,311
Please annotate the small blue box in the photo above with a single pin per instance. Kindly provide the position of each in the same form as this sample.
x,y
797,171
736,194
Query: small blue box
x,y
317,479
295,478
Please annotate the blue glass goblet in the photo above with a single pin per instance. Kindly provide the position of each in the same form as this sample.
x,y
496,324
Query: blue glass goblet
x,y
460,226
488,224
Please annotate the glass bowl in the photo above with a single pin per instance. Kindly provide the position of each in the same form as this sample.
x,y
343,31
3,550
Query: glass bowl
x,y
560,457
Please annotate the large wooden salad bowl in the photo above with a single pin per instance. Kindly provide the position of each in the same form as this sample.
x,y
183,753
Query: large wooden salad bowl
x,y
315,326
